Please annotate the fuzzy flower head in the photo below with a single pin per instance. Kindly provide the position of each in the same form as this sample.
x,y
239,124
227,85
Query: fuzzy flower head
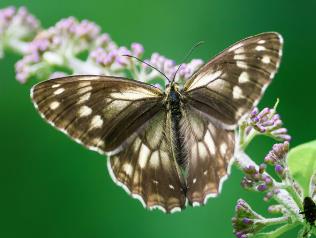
x,y
67,38
277,157
112,58
16,26
256,179
56,46
267,122
80,48
246,222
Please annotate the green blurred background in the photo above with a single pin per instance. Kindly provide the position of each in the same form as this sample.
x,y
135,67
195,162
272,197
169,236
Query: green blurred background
x,y
53,187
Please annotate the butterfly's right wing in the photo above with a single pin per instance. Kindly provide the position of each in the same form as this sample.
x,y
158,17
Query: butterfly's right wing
x,y
99,112
210,150
147,168
231,84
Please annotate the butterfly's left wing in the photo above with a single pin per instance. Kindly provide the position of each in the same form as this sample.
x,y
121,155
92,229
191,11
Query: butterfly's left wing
x,y
100,112
228,86
122,118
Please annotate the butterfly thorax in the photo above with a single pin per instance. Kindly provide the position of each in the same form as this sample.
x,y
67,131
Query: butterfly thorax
x,y
174,107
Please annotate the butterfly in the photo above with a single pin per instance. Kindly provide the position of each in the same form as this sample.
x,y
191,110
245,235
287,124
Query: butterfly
x,y
166,148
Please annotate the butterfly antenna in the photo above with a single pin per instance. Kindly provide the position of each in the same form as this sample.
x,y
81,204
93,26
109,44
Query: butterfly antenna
x,y
186,57
131,56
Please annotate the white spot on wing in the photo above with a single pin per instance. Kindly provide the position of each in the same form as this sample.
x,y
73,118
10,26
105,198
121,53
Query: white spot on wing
x,y
96,122
202,150
223,148
243,77
210,142
154,160
260,48
239,57
59,91
84,111
54,105
261,41
241,65
84,97
171,187
56,85
237,92
265,59
155,182
194,181
128,169
143,156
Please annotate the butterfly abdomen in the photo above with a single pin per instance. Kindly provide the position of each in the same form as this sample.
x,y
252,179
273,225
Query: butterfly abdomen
x,y
175,103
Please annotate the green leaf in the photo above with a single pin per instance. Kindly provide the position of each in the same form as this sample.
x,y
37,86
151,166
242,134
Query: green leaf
x,y
302,164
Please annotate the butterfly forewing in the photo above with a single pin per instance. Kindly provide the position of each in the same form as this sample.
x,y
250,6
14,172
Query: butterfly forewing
x,y
97,111
228,86
147,169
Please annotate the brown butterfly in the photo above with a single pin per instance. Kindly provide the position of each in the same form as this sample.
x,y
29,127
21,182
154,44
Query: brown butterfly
x,y
165,148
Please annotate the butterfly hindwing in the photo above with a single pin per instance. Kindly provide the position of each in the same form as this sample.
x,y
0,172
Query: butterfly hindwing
x,y
228,86
97,111
210,153
147,169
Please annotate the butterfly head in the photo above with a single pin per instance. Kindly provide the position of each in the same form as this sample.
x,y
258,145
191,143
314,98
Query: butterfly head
x,y
172,92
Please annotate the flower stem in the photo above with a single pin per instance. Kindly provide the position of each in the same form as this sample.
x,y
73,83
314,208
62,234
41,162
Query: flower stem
x,y
82,67
245,140
296,197
17,46
274,221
